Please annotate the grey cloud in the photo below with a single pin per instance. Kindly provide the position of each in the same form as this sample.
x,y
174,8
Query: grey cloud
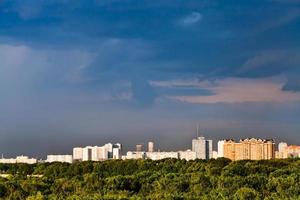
x,y
293,82
269,63
118,57
290,15
286,1
191,19
274,63
25,72
262,59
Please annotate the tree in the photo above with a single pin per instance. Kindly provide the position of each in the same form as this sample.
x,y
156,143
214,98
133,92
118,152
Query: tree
x,y
245,193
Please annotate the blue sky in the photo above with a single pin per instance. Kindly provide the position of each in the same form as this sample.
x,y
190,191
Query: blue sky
x,y
89,72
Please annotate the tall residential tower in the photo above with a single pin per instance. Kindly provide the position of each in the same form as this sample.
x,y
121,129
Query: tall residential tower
x,y
202,147
150,147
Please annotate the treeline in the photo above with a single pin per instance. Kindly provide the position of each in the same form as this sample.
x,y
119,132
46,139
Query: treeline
x,y
146,179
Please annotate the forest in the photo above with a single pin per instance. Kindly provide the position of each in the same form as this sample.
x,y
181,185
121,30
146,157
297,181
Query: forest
x,y
147,179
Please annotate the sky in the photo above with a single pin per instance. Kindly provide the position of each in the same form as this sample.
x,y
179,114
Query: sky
x,y
77,73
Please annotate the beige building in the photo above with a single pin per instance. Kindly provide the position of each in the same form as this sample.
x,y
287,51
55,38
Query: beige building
x,y
247,149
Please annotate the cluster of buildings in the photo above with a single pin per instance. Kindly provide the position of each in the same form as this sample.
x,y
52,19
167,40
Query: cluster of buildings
x,y
152,154
96,153
285,151
244,149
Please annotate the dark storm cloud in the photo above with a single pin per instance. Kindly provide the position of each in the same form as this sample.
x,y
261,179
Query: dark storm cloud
x,y
84,70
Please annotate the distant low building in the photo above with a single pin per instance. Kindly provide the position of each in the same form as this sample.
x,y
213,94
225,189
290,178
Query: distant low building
x,y
161,155
187,155
19,159
215,155
60,158
293,151
139,147
134,155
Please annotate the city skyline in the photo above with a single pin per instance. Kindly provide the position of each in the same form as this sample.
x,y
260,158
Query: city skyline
x,y
201,148
144,144
90,72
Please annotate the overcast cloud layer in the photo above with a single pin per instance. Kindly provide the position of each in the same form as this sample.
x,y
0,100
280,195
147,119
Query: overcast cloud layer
x,y
86,73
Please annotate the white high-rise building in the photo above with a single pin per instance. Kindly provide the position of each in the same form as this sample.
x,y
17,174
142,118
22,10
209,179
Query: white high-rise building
x,y
116,151
220,148
88,153
102,153
78,153
95,153
282,146
202,147
150,147
118,145
109,149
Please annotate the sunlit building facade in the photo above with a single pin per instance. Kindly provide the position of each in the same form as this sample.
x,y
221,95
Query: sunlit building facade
x,y
247,149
